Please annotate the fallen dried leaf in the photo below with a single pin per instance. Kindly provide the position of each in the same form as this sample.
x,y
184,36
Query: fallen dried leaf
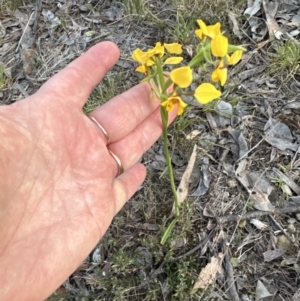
x,y
258,188
235,28
29,60
279,135
183,188
252,10
2,31
193,134
149,227
261,291
258,224
270,12
273,254
209,274
204,179
287,181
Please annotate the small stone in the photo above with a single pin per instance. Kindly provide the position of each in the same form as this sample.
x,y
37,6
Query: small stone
x,y
83,8
283,242
178,243
232,183
226,195
298,217
291,220
291,228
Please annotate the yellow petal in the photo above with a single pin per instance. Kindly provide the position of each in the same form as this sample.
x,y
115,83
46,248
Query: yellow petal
x,y
199,34
182,76
235,57
168,104
215,76
141,69
219,46
203,27
210,31
172,101
206,92
214,30
150,63
158,49
173,60
219,75
174,48
140,56
181,105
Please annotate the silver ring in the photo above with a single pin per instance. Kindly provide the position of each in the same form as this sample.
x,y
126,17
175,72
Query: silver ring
x,y
101,128
120,166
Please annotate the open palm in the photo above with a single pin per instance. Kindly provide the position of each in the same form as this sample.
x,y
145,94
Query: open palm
x,y
58,184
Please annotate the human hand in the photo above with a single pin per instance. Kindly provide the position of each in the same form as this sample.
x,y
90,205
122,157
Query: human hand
x,y
58,184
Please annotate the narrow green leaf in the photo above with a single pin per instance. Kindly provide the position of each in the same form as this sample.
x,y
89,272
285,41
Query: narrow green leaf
x,y
168,231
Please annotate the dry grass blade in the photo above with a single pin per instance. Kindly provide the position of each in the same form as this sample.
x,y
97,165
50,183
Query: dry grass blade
x,y
287,181
274,29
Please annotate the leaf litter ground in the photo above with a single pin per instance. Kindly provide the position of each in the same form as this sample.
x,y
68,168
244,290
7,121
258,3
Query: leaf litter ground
x,y
238,234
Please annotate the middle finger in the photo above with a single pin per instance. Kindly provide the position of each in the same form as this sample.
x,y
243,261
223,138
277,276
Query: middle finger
x,y
130,148
124,112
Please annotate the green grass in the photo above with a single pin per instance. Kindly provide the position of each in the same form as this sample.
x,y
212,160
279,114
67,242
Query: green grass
x,y
109,87
286,59
8,5
2,77
134,7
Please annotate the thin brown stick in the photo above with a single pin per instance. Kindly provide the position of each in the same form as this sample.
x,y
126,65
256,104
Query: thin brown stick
x,y
199,246
231,289
255,214
202,243
38,10
280,228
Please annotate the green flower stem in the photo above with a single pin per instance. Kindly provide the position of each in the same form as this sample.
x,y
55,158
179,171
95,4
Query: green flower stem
x,y
199,57
164,118
163,86
160,74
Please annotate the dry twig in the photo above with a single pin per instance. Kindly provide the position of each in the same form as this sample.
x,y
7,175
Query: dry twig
x,y
231,290
280,228
199,246
256,214
38,10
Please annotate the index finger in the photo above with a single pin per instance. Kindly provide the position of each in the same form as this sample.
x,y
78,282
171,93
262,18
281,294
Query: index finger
x,y
77,80
124,112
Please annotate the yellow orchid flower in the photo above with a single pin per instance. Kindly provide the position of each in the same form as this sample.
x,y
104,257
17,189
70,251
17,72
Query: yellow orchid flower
x,y
205,31
219,46
172,101
173,48
206,92
182,76
144,58
220,73
140,56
